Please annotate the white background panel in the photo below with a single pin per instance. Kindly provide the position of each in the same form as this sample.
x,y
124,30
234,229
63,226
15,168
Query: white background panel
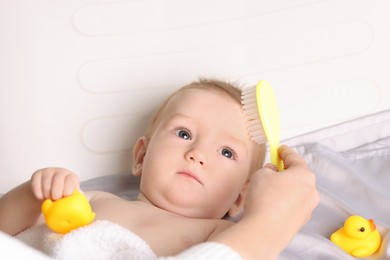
x,y
79,79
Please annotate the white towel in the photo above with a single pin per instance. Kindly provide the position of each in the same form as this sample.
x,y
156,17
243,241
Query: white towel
x,y
99,240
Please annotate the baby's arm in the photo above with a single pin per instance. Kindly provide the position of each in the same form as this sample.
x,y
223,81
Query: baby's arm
x,y
20,208
276,207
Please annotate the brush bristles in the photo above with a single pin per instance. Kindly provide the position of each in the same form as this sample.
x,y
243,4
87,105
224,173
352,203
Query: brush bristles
x,y
251,113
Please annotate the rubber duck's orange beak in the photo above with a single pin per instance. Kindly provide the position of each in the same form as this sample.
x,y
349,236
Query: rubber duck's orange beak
x,y
372,224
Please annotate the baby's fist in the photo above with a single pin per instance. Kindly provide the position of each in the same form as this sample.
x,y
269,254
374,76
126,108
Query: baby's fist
x,y
53,183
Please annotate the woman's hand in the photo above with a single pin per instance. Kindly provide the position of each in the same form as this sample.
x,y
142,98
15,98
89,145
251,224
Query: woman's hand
x,y
277,205
286,199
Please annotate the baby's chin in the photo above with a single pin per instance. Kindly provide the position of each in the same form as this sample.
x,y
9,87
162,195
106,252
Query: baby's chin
x,y
183,205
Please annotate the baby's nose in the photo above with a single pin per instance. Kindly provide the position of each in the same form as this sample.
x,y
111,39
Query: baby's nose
x,y
196,156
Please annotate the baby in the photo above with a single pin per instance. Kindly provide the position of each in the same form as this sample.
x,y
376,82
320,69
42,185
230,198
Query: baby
x,y
197,164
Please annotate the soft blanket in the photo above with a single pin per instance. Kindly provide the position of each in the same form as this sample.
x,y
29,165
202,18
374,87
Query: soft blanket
x,y
104,240
99,240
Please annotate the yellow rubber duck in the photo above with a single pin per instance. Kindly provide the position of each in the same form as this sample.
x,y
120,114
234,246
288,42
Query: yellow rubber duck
x,y
358,237
67,213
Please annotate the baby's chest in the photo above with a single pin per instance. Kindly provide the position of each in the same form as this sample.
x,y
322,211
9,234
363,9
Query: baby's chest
x,y
166,234
170,236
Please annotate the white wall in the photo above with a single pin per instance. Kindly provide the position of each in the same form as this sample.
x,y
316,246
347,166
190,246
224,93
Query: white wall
x,y
79,78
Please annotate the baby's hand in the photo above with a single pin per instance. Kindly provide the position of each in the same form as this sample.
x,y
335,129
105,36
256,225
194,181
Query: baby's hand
x,y
53,183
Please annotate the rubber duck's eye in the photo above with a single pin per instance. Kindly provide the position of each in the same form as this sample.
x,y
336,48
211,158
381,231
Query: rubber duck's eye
x,y
362,229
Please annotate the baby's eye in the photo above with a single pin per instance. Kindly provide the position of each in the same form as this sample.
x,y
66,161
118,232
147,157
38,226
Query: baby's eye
x,y
228,153
183,133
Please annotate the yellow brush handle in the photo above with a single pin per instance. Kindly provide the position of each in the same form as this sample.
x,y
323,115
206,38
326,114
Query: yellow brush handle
x,y
275,158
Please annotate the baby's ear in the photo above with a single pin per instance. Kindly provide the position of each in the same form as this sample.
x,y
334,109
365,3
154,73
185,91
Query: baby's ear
x,y
238,206
139,152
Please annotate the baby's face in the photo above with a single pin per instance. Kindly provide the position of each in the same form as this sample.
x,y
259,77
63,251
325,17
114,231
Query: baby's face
x,y
199,156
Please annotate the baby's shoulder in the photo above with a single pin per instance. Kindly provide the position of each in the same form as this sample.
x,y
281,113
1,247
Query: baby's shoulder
x,y
100,195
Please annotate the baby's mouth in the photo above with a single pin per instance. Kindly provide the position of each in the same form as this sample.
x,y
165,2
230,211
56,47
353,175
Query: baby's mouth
x,y
190,175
